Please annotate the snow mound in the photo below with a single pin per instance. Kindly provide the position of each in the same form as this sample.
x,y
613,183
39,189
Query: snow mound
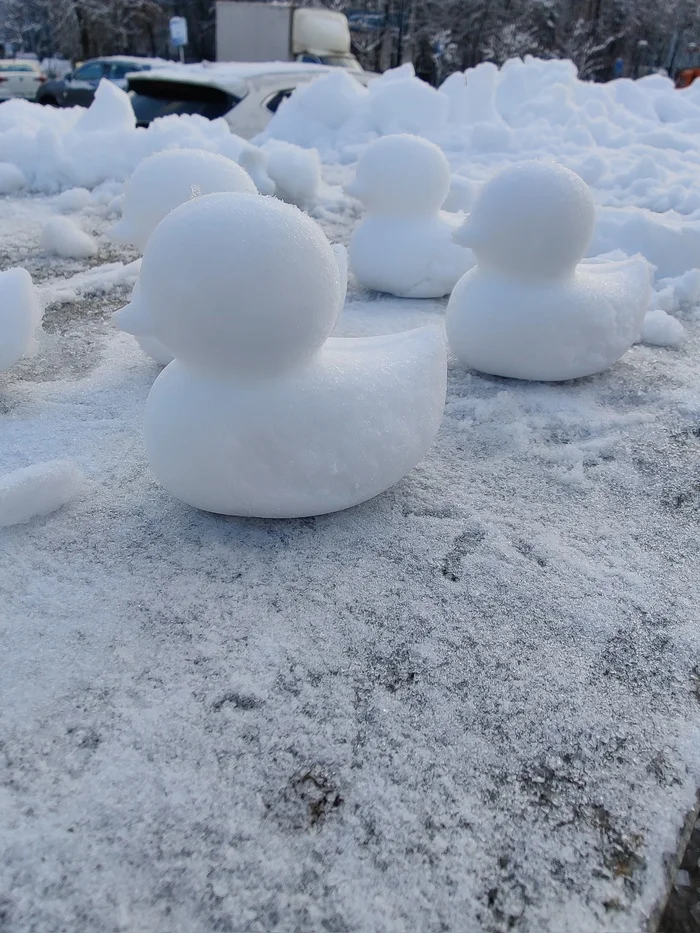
x,y
662,330
110,112
11,178
37,490
60,148
20,316
296,172
63,237
74,199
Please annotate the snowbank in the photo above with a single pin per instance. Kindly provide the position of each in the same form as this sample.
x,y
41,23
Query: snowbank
x,y
635,142
51,150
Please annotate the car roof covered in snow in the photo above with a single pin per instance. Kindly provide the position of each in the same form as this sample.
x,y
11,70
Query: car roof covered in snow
x,y
130,60
234,76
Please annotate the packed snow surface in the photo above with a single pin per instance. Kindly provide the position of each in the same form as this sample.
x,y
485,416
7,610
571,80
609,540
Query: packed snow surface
x,y
530,309
261,413
167,179
404,246
37,490
20,316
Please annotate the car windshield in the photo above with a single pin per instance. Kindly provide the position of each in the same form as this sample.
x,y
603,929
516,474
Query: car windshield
x,y
153,99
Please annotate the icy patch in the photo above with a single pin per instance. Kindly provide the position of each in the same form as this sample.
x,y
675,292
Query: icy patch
x,y
63,237
37,490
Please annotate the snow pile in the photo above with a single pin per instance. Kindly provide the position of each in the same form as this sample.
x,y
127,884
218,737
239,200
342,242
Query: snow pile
x,y
73,199
37,490
63,237
531,309
52,149
11,178
634,141
111,112
662,330
20,316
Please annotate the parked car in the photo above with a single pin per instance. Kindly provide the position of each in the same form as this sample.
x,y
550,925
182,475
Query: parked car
x,y
20,78
245,94
78,87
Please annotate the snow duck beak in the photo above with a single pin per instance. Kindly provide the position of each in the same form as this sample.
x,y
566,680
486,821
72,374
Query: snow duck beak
x,y
134,318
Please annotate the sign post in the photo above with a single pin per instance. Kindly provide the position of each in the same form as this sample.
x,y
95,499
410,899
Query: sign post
x,y
178,34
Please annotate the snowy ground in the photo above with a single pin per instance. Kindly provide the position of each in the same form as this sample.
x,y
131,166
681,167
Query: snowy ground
x,y
470,704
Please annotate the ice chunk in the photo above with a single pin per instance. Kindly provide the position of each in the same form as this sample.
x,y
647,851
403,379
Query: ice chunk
x,y
37,490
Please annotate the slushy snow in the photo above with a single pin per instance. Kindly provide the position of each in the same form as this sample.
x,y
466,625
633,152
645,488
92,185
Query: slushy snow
x,y
167,179
530,309
37,490
63,237
262,413
404,245
20,316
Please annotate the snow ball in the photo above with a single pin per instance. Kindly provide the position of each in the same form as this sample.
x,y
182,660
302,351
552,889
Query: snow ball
x,y
249,157
74,199
109,112
402,174
662,330
236,281
64,238
533,219
37,490
296,172
11,178
166,180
